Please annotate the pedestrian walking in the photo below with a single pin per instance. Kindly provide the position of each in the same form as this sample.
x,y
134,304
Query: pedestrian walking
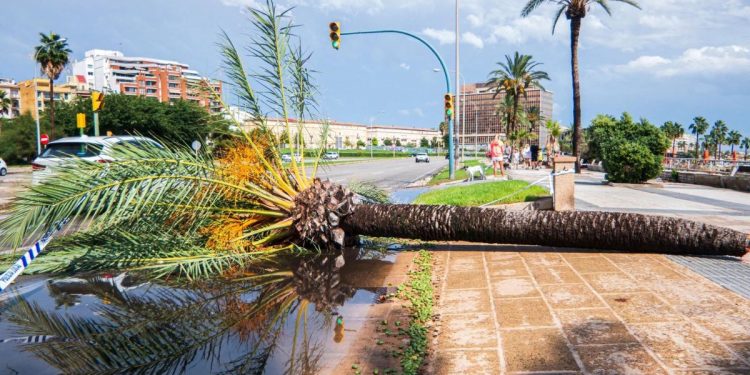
x,y
496,154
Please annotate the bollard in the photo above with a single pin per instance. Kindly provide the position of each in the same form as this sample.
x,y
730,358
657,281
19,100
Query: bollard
x,y
563,194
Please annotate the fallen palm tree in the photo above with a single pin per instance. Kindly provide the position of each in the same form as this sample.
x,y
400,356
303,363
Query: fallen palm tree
x,y
172,211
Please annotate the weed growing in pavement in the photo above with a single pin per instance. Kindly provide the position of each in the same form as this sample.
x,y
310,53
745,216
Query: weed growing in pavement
x,y
419,292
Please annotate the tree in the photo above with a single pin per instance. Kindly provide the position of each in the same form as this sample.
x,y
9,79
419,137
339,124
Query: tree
x,y
18,139
631,151
249,207
698,127
733,139
374,141
575,11
360,143
719,135
515,76
673,131
434,143
348,142
5,103
388,142
681,145
52,55
424,142
746,145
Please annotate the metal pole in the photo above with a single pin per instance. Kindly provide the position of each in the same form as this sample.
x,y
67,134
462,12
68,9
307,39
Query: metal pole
x,y
451,156
371,138
96,124
458,90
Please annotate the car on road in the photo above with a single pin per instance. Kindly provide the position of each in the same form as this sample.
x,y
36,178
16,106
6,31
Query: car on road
x,y
3,168
287,158
331,155
422,157
59,153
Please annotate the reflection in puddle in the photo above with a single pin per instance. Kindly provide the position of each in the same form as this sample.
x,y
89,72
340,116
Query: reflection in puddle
x,y
289,318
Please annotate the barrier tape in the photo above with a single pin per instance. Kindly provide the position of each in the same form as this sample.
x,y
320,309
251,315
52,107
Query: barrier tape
x,y
28,339
22,263
548,177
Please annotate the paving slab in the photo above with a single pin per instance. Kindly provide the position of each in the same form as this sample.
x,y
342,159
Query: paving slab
x,y
544,311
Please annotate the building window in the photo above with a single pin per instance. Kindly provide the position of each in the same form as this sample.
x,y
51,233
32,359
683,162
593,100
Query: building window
x,y
174,85
150,83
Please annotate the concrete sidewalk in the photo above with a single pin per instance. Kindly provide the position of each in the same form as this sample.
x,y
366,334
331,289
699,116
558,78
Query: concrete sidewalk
x,y
506,310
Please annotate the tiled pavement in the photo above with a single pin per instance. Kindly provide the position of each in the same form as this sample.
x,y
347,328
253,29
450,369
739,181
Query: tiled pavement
x,y
512,310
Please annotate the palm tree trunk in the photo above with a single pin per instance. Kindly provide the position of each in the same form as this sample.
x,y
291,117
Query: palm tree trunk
x,y
673,141
575,31
51,109
697,145
577,229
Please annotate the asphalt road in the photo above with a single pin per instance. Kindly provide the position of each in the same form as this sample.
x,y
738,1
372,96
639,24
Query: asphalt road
x,y
385,173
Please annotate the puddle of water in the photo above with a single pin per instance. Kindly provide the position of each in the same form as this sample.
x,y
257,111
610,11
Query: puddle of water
x,y
407,195
301,318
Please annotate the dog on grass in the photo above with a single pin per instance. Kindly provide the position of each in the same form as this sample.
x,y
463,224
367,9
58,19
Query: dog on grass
x,y
473,170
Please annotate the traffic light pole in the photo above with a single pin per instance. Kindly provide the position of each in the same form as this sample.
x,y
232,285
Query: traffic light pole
x,y
451,155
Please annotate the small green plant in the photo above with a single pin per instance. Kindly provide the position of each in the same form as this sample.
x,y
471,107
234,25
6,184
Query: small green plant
x,y
419,292
675,175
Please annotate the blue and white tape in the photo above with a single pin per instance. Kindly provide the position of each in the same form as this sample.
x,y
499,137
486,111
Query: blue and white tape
x,y
22,263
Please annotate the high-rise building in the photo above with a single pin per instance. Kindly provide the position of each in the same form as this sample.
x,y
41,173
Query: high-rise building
x,y
34,93
164,80
481,122
12,92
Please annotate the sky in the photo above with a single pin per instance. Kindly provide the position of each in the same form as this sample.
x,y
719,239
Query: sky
x,y
671,61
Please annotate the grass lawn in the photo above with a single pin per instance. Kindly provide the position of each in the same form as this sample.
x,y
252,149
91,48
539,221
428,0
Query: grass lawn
x,y
481,193
461,174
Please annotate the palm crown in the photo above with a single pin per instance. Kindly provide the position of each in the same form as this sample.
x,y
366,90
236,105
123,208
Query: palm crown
x,y
52,54
572,8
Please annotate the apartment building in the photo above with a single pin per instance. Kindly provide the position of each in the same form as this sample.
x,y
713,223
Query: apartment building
x,y
34,94
164,80
480,121
12,92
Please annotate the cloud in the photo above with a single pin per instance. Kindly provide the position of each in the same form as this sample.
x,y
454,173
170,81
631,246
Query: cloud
x,y
241,3
443,36
411,112
404,66
708,60
473,39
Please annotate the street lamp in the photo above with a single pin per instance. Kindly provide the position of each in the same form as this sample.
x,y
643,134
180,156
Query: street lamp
x,y
372,119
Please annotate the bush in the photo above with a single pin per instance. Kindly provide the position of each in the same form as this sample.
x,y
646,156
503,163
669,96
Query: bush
x,y
631,151
631,162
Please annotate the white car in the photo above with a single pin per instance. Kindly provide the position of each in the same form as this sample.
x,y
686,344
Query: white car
x,y
95,149
422,157
3,168
288,158
332,155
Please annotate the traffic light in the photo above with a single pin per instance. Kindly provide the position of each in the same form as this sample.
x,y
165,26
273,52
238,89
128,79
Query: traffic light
x,y
335,34
449,105
97,100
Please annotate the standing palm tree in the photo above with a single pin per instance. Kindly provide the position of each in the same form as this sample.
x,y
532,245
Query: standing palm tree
x,y
698,127
515,76
575,11
5,106
5,103
681,145
53,55
746,145
719,133
673,130
733,139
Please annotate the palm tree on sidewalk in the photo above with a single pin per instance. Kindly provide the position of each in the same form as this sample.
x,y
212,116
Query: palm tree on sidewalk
x,y
719,135
733,139
673,131
698,127
514,78
575,11
53,55
746,145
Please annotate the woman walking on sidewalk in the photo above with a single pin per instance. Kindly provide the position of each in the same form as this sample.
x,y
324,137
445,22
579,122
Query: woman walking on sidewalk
x,y
496,154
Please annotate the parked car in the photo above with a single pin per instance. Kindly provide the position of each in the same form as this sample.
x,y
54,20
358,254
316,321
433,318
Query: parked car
x,y
3,168
422,157
60,152
331,155
287,158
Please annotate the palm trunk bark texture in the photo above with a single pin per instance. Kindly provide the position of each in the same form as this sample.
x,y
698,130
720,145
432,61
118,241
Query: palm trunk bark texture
x,y
595,231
